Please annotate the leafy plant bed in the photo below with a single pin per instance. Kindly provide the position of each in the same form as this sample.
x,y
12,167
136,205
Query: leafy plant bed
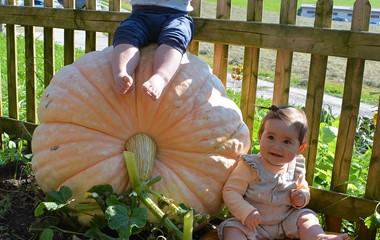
x,y
20,195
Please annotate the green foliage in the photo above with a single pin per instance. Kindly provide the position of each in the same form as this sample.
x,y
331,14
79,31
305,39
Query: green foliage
x,y
372,222
123,214
13,150
360,159
55,200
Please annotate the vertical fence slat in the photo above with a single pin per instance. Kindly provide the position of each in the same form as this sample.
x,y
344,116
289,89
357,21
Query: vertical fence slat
x,y
373,178
69,38
49,65
223,11
251,68
30,71
12,69
114,5
284,58
90,35
315,89
197,5
349,112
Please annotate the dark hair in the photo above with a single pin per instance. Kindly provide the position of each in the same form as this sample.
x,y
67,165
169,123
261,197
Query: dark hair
x,y
290,115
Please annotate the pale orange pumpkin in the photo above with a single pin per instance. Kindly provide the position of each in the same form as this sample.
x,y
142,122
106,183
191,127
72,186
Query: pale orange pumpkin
x,y
85,124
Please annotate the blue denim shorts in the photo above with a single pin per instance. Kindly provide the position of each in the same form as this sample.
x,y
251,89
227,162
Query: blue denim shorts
x,y
148,24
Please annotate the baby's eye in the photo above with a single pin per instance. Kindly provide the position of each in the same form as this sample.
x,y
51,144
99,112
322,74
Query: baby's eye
x,y
270,137
287,142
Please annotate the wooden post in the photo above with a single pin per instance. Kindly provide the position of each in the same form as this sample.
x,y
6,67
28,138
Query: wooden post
x,y
49,66
315,89
194,45
284,58
12,69
90,35
69,37
251,68
223,11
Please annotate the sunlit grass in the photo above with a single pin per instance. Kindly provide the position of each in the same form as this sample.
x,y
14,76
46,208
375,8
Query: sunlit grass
x,y
274,5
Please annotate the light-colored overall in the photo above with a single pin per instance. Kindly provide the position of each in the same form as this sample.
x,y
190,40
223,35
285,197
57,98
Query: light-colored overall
x,y
269,194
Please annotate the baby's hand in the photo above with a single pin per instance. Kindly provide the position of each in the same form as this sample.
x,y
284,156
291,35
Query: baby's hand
x,y
253,220
297,198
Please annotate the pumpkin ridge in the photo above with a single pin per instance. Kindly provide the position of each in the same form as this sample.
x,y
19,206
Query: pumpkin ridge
x,y
102,60
103,160
105,96
85,169
184,183
120,174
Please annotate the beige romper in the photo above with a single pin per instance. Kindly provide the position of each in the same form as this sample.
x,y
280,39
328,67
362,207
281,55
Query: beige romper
x,y
270,195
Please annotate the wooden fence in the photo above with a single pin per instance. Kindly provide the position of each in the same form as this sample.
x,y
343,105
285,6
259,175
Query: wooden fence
x,y
356,45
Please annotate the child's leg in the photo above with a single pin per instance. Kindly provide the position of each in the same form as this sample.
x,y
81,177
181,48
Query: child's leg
x,y
309,229
166,62
231,233
125,58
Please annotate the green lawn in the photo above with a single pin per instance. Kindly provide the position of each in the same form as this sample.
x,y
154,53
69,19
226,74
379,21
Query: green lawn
x,y
274,5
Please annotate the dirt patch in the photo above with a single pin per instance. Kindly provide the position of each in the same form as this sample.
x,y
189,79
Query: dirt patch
x,y
18,197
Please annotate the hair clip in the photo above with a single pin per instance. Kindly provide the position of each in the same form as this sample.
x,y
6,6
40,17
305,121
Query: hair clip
x,y
272,108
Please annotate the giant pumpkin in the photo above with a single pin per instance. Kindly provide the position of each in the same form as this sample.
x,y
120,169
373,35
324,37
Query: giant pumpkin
x,y
194,132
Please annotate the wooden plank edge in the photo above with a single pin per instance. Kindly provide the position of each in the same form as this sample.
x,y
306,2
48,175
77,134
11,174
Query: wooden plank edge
x,y
16,128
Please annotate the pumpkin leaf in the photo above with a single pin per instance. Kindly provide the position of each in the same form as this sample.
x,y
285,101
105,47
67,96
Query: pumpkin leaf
x,y
120,219
101,190
113,201
47,234
372,222
55,200
99,222
49,206
61,196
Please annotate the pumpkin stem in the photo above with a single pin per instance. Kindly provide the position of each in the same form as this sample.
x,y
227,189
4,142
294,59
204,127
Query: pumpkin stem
x,y
139,188
145,150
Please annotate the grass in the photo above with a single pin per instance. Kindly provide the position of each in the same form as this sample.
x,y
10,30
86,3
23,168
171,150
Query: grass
x,y
274,5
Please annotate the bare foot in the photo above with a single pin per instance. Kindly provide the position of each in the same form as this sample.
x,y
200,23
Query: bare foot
x,y
124,84
343,236
154,86
128,84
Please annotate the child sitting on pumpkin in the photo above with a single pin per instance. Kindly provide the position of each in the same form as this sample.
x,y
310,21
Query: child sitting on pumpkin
x,y
165,22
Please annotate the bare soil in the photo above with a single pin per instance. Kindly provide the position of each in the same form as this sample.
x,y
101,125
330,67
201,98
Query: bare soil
x,y
18,198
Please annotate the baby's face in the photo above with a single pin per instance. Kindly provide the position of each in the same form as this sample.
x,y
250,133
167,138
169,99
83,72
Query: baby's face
x,y
279,142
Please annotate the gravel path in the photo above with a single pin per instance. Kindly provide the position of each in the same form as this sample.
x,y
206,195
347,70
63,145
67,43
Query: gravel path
x,y
298,97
